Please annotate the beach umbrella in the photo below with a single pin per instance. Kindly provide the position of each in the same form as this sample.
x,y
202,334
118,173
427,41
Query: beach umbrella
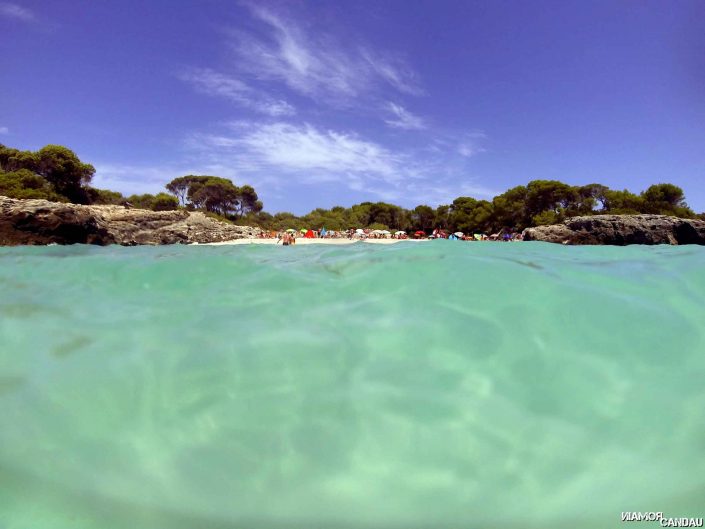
x,y
420,233
303,230
291,230
359,230
400,232
385,232
458,234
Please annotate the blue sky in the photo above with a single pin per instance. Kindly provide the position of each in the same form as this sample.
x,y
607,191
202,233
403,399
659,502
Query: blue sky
x,y
329,103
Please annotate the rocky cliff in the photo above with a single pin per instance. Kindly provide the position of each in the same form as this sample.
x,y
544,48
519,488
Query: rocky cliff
x,y
621,230
44,222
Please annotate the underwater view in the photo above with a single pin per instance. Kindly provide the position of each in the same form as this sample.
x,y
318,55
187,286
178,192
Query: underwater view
x,y
401,386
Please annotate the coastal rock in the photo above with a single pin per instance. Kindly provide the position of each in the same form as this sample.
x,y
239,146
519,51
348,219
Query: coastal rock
x,y
44,222
621,230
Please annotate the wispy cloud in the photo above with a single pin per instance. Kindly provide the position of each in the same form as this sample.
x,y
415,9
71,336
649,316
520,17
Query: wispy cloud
x,y
313,154
316,64
15,11
447,189
131,179
278,157
403,119
4,130
288,154
465,144
471,144
213,83
394,70
137,179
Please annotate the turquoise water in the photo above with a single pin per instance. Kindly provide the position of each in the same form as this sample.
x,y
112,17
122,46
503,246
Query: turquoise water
x,y
443,384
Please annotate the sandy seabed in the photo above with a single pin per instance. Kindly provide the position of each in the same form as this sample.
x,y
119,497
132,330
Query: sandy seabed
x,y
316,241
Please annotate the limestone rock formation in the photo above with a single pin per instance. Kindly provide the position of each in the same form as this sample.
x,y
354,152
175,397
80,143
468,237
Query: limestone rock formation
x,y
44,222
621,230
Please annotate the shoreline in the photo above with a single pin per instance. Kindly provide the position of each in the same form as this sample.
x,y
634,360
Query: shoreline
x,y
40,222
304,241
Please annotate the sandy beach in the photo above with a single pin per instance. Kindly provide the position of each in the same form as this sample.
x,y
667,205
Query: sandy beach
x,y
303,240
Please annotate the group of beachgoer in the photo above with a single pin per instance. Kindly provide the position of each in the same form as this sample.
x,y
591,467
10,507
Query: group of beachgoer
x,y
286,238
289,236
505,236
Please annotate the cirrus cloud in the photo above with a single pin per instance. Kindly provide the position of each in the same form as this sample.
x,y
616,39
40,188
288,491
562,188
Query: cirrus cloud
x,y
210,82
403,119
316,64
306,154
318,155
10,10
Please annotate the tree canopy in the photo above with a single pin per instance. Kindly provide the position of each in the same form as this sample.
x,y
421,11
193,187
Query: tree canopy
x,y
62,168
539,202
56,173
23,183
215,194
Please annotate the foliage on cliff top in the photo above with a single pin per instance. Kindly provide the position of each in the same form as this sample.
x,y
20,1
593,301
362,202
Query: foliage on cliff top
x,y
56,173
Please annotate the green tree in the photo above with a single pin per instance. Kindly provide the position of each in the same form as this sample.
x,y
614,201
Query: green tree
x,y
470,215
104,196
442,219
56,173
260,219
623,202
333,219
388,215
666,199
510,210
216,195
14,160
360,215
144,201
63,169
247,201
549,195
23,183
285,220
423,218
164,202
180,186
546,217
592,197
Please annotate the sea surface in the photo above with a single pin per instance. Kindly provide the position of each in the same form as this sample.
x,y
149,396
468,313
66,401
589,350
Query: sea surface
x,y
434,385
